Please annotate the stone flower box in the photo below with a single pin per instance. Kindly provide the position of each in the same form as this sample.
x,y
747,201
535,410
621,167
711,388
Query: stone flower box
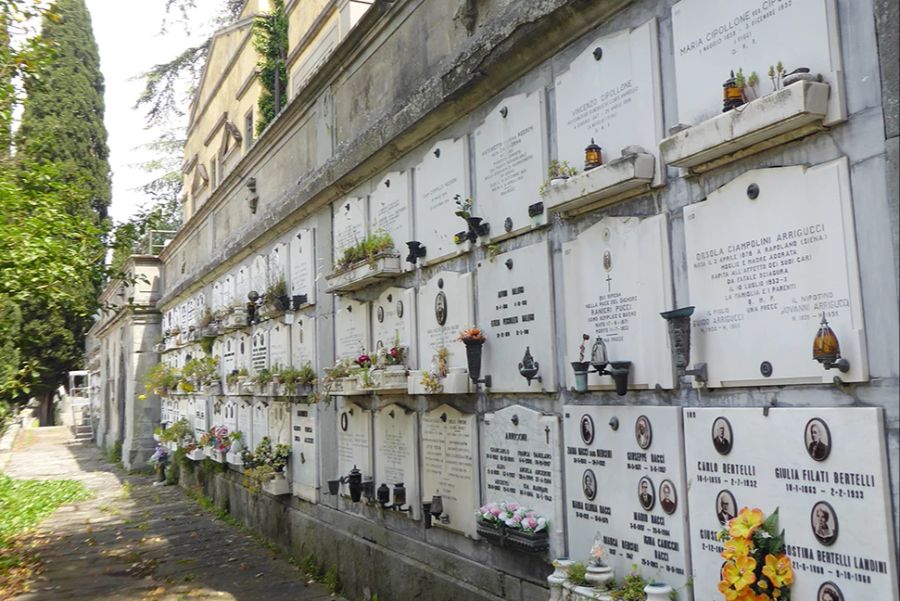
x,y
196,455
364,274
233,459
456,382
574,592
159,347
214,454
279,485
171,343
212,389
611,182
236,319
348,386
246,388
792,112
519,540
392,380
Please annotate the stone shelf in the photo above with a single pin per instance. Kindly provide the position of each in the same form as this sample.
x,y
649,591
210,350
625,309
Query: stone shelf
x,y
456,382
792,112
613,181
277,486
364,274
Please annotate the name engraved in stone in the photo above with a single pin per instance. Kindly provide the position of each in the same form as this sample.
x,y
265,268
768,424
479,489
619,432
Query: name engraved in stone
x,y
507,163
612,314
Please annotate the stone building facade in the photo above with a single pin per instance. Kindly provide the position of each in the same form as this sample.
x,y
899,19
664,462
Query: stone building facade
x,y
766,219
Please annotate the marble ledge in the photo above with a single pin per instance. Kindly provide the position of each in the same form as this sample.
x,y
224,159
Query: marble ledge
x,y
364,275
790,113
614,181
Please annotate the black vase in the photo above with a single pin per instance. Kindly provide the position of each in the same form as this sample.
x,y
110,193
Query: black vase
x,y
473,358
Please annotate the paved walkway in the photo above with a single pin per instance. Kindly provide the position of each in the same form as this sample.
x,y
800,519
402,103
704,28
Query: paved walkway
x,y
135,542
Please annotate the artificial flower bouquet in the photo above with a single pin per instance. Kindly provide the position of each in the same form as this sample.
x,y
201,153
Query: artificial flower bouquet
x,y
756,566
512,516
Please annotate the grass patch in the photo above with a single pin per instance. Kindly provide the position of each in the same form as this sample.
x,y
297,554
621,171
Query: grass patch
x,y
25,503
114,453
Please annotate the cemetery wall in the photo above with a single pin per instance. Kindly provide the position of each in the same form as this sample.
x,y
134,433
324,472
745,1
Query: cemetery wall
x,y
782,210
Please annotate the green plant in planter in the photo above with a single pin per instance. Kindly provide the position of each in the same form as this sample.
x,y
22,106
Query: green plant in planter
x,y
578,573
263,377
205,318
201,371
306,375
232,378
557,169
367,250
631,589
175,432
160,379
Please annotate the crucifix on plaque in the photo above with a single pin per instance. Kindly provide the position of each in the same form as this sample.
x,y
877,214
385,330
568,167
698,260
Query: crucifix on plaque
x,y
609,283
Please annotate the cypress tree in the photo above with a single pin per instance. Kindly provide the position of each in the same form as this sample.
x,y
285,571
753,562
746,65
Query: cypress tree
x,y
63,118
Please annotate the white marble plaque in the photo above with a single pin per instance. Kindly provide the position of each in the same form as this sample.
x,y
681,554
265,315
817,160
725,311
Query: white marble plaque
x,y
242,285
349,224
260,417
617,282
393,320
389,210
229,354
277,264
396,453
304,451
440,178
628,486
444,310
775,264
217,414
259,349
259,274
199,412
230,415
449,456
217,296
509,154
354,440
303,341
825,470
245,422
521,462
616,101
303,264
351,328
243,343
280,422
514,307
228,297
712,39
280,345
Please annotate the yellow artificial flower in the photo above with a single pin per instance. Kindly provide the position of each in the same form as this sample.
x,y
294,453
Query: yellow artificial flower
x,y
739,572
728,592
746,523
736,547
778,570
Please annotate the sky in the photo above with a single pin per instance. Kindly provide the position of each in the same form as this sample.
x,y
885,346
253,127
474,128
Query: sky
x,y
130,42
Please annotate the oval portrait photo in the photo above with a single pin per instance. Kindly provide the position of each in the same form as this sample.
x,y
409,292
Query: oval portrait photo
x,y
722,435
589,484
824,523
829,591
643,433
668,498
726,506
587,429
817,439
646,493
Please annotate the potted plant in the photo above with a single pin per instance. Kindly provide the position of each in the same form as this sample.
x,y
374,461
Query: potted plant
x,y
236,446
264,467
275,299
159,460
359,265
557,174
474,225
340,379
161,379
598,573
262,380
511,524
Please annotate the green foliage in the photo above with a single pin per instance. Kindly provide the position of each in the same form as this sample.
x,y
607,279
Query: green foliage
x,y
631,589
577,573
263,377
114,453
160,379
27,502
200,370
176,432
373,245
270,39
163,213
332,580
311,566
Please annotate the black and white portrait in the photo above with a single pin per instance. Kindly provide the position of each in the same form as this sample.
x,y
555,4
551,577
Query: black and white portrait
x,y
817,437
829,591
587,429
646,494
668,498
643,433
379,314
589,484
440,308
824,523
722,436
726,506
399,309
345,421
